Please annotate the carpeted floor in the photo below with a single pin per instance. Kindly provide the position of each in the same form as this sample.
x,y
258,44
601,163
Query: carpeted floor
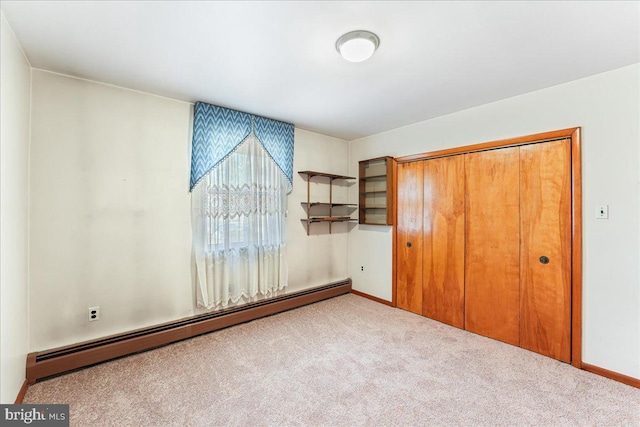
x,y
346,361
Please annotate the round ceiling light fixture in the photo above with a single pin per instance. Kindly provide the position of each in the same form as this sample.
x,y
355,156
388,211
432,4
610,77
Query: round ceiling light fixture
x,y
357,46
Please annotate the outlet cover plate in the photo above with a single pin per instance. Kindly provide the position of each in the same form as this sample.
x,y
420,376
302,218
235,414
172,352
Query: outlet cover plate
x,y
94,314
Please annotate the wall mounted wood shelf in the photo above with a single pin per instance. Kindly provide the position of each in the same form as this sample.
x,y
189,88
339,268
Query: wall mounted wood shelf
x,y
327,204
311,174
328,219
331,218
377,178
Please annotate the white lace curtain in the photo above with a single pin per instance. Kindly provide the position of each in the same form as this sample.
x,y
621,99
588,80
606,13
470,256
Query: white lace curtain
x,y
238,211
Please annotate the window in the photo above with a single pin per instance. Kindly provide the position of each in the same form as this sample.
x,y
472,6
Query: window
x,y
239,227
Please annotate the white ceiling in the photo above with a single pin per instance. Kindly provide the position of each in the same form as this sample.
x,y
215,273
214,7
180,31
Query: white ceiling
x,y
278,59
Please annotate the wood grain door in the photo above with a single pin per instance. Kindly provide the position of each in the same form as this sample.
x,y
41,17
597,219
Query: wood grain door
x,y
409,236
545,249
443,241
492,261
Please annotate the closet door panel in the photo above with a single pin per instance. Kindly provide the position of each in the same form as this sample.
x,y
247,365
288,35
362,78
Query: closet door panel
x,y
492,259
545,221
409,236
443,242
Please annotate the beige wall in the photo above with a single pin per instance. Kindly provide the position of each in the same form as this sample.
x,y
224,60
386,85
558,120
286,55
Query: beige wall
x,y
15,89
607,107
110,212
321,257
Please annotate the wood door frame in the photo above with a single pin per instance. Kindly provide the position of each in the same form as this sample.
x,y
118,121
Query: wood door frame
x,y
576,214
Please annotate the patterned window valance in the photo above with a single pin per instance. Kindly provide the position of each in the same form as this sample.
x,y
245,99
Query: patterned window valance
x,y
218,131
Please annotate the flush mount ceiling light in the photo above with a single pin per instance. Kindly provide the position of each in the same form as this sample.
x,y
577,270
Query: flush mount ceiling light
x,y
357,46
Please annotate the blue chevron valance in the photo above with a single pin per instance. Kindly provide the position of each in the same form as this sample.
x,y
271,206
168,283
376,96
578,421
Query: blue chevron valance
x,y
218,131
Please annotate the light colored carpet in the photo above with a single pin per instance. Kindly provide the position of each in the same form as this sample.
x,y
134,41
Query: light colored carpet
x,y
346,361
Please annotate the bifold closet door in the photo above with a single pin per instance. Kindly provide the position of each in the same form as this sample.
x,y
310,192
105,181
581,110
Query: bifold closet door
x,y
545,251
409,236
443,242
492,247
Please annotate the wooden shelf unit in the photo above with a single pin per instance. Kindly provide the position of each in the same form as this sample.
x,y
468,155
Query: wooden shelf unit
x,y
327,204
313,219
331,218
376,186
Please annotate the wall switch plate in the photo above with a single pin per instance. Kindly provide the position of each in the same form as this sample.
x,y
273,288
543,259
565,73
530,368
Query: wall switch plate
x,y
602,212
94,314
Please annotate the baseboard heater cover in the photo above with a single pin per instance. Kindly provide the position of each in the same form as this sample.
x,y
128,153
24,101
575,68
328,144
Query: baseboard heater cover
x,y
44,364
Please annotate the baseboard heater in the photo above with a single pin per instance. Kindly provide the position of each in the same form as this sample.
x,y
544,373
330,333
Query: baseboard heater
x,y
44,364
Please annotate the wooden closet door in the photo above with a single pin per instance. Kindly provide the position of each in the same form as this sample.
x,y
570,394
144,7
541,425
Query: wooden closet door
x,y
409,236
492,271
545,225
443,243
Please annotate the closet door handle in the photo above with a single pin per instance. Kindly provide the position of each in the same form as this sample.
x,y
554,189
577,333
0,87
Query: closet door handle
x,y
408,244
544,260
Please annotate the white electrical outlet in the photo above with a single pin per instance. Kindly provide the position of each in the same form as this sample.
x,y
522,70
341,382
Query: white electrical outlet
x,y
602,212
94,314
